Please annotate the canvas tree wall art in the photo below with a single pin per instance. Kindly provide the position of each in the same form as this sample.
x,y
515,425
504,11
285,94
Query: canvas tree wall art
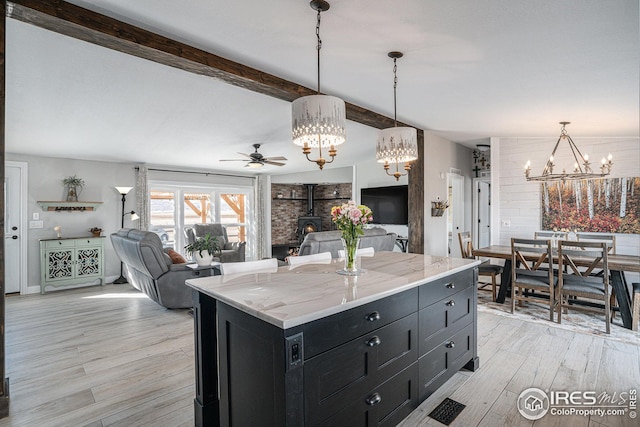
x,y
607,205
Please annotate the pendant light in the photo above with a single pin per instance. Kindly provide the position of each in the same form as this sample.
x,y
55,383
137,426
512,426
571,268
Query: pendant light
x,y
319,121
396,144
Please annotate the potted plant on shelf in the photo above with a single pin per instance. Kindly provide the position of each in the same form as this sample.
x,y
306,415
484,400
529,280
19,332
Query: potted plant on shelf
x,y
74,187
203,250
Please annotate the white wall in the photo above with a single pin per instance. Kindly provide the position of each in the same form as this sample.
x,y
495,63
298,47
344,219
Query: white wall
x,y
440,156
45,184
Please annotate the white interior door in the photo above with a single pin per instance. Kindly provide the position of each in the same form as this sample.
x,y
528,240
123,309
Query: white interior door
x,y
14,232
481,212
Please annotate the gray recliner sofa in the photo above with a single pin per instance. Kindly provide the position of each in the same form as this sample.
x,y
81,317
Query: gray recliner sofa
x,y
230,251
329,241
150,270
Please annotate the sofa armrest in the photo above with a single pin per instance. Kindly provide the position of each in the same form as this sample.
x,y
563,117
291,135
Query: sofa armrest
x,y
179,267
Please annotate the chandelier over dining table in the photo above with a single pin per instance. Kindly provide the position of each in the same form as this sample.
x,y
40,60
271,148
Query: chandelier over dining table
x,y
581,168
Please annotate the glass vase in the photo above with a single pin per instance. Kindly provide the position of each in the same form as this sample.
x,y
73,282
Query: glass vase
x,y
350,245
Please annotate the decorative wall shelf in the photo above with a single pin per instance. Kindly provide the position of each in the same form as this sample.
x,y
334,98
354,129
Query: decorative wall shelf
x,y
62,206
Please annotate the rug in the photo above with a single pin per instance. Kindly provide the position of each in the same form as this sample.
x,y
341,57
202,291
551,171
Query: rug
x,y
588,323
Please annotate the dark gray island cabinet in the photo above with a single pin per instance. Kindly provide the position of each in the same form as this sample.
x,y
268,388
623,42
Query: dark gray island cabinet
x,y
307,347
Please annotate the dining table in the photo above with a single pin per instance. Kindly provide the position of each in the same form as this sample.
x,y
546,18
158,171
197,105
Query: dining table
x,y
618,264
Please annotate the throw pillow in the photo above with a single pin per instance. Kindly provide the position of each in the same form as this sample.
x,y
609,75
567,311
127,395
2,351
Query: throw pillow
x,y
176,258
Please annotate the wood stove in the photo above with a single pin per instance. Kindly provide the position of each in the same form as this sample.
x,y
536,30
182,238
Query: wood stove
x,y
308,224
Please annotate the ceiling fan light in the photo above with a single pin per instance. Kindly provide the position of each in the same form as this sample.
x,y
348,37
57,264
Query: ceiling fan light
x,y
254,165
397,145
319,121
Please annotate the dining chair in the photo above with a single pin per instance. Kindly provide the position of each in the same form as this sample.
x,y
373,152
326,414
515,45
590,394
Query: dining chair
x,y
579,282
269,265
321,258
527,277
485,269
610,239
554,236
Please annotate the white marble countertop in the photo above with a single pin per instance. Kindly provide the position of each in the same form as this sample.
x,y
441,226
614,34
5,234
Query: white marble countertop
x,y
294,296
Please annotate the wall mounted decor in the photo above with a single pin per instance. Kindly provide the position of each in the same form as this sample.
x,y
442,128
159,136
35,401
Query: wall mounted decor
x,y
606,205
438,207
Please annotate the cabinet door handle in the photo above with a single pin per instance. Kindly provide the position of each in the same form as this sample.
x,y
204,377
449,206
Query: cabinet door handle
x,y
373,399
450,286
450,344
373,341
451,303
372,317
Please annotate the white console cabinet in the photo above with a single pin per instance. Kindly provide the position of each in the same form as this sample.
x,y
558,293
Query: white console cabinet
x,y
71,261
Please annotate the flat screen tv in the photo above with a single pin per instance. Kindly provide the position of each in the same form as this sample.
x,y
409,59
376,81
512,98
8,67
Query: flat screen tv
x,y
390,205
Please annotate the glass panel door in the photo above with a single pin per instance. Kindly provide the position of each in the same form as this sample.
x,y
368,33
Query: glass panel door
x,y
163,219
174,207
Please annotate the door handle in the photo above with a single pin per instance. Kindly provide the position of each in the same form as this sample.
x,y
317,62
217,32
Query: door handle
x,y
14,237
14,228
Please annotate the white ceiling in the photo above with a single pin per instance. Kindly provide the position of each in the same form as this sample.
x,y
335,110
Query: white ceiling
x,y
471,70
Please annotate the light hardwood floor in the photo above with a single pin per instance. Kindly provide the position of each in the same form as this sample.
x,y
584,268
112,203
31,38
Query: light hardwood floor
x,y
108,356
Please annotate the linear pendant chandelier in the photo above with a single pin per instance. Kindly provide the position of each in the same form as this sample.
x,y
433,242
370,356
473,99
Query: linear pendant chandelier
x,y
397,144
319,121
581,167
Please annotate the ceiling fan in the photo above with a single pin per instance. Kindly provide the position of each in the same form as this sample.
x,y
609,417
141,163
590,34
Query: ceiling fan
x,y
257,160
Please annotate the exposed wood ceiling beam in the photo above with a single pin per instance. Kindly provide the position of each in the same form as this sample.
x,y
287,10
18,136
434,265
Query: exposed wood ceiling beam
x,y
83,24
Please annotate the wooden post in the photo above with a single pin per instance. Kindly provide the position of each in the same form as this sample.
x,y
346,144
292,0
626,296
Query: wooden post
x,y
416,200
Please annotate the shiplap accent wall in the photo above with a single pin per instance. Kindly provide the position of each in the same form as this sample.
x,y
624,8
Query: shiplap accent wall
x,y
519,199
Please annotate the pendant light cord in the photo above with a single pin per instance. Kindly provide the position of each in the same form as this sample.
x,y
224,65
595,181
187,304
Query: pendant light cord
x,y
395,85
318,47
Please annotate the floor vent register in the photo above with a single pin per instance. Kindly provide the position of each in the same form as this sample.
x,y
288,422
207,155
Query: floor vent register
x,y
447,411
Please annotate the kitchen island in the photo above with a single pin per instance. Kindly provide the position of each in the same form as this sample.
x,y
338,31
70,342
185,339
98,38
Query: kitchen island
x,y
306,346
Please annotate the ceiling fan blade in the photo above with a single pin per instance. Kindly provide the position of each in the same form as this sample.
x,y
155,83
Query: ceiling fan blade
x,y
269,162
233,160
274,158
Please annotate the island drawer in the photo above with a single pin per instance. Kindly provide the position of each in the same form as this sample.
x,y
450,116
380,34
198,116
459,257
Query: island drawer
x,y
340,375
325,334
444,318
442,288
385,405
447,358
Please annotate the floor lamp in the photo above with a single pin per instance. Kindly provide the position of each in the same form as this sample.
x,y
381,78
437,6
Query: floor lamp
x,y
123,192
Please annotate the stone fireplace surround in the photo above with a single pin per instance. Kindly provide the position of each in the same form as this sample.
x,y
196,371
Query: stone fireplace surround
x,y
285,209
